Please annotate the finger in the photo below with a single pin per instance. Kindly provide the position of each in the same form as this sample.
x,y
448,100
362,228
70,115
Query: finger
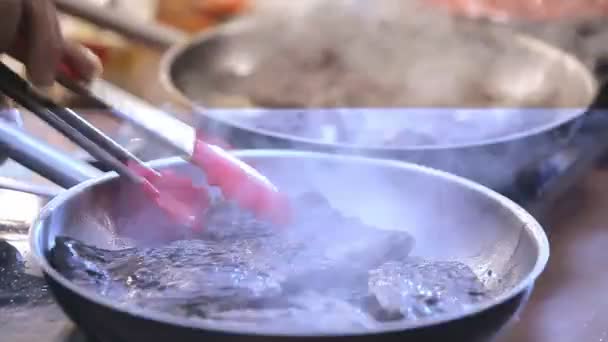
x,y
44,41
5,102
82,61
11,16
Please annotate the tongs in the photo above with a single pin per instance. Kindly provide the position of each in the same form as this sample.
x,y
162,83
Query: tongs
x,y
176,194
70,124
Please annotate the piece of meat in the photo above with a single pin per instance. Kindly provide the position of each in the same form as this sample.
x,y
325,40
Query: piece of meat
x,y
417,288
187,277
326,272
238,262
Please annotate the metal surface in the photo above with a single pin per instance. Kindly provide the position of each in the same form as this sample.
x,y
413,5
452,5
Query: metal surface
x,y
57,166
45,192
491,146
64,120
158,36
160,126
507,240
11,117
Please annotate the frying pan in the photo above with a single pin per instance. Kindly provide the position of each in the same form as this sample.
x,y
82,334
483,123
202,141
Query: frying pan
x,y
477,226
500,147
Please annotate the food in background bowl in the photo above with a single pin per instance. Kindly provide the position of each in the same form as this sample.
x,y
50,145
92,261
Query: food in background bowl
x,y
375,54
198,15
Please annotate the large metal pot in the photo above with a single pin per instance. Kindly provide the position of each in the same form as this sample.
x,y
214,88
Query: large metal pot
x,y
525,137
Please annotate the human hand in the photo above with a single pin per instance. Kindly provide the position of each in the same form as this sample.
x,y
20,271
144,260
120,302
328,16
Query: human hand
x,y
30,32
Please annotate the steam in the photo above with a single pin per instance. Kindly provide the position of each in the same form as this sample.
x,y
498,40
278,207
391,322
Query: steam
x,y
384,54
397,53
393,57
582,37
378,54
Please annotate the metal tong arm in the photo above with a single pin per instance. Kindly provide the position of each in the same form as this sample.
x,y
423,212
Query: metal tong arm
x,y
55,165
69,124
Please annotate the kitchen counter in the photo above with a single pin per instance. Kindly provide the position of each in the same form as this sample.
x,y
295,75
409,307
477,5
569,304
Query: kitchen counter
x,y
569,301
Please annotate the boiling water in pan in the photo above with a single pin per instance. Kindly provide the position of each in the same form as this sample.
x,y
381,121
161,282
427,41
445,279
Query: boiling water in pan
x,y
324,273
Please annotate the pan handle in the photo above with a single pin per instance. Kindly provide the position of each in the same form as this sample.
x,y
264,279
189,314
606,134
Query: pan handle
x,y
56,166
155,35
43,191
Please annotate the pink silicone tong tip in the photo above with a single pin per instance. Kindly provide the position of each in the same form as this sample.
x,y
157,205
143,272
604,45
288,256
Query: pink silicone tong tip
x,y
176,195
240,182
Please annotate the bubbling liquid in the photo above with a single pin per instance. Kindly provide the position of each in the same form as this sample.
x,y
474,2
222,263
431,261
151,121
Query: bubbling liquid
x,y
324,273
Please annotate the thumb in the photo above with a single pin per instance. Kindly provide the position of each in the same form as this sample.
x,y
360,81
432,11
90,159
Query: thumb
x,y
5,103
82,61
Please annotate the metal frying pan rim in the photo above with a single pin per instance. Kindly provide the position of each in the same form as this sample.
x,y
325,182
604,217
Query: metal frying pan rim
x,y
543,48
530,225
